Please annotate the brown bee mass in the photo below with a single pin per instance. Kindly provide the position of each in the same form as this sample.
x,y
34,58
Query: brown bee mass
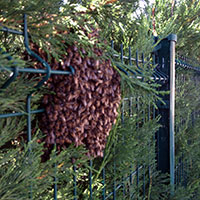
x,y
84,106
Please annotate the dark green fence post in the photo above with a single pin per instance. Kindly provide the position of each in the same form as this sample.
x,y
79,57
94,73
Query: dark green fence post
x,y
165,58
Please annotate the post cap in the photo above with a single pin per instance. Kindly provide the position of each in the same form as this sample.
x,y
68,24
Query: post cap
x,y
172,37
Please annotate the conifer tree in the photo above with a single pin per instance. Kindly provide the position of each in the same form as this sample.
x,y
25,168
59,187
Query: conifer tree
x,y
50,22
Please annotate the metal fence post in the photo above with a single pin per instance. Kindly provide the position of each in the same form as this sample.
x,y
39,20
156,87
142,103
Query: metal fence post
x,y
165,58
172,39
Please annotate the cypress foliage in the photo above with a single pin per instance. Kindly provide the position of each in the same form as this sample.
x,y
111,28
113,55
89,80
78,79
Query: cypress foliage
x,y
34,178
22,174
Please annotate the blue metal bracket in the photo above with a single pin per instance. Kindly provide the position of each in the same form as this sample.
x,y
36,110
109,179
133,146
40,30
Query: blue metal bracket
x,y
158,47
31,53
5,29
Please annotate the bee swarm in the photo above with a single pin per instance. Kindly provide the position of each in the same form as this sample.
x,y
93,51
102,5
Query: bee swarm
x,y
84,106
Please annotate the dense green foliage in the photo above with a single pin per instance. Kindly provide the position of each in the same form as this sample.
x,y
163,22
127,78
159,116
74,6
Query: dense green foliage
x,y
46,23
187,135
131,142
181,18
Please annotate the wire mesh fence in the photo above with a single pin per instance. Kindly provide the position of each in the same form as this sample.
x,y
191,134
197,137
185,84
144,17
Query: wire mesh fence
x,y
187,117
127,173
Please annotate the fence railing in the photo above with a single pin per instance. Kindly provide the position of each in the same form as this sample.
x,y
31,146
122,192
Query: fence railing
x,y
132,179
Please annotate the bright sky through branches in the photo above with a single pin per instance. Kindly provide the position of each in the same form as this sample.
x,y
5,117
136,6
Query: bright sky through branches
x,y
141,2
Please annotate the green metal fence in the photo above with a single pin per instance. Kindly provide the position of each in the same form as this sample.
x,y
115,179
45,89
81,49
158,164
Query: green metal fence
x,y
187,120
133,180
17,70
175,140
